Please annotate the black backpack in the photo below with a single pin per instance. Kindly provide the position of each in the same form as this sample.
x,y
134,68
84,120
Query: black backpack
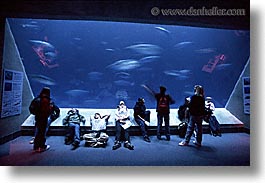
x,y
34,107
163,104
182,128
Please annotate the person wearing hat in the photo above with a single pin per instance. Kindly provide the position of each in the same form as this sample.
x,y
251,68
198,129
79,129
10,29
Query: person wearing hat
x,y
122,119
141,116
197,112
42,109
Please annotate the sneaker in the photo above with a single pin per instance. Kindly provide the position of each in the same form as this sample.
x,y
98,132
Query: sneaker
x,y
159,137
146,138
39,150
128,145
168,138
75,144
196,143
32,140
183,143
116,145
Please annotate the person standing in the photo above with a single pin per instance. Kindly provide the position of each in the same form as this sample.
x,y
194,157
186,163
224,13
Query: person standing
x,y
41,107
197,112
55,113
163,109
141,116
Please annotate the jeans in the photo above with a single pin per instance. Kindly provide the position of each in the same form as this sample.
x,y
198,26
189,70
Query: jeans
x,y
121,131
40,138
194,121
142,124
74,131
47,128
160,118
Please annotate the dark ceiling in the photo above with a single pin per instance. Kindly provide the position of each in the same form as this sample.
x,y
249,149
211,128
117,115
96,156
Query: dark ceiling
x,y
130,11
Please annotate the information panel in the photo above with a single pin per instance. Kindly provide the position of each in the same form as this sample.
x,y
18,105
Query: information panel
x,y
12,93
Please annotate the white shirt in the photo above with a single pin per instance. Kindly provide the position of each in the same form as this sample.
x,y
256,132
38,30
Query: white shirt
x,y
98,124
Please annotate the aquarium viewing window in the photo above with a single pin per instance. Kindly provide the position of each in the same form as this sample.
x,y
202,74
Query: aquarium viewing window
x,y
95,64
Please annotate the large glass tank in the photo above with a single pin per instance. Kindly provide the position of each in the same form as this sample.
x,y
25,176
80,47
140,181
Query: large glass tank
x,y
95,64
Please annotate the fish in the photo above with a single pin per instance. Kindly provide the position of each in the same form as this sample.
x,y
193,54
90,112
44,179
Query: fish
x,y
121,65
184,71
189,93
31,26
123,75
110,49
42,79
50,54
145,49
222,66
42,43
76,92
121,94
149,59
123,83
95,75
179,74
205,50
183,44
163,30
172,72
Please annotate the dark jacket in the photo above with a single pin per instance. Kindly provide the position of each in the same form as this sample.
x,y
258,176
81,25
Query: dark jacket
x,y
170,101
197,105
139,109
41,108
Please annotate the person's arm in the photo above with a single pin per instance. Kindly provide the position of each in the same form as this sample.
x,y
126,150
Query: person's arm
x,y
82,119
212,107
172,101
106,117
148,89
66,120
146,122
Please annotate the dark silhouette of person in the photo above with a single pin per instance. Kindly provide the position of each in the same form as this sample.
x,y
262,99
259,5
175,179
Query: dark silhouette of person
x,y
41,107
163,109
141,116
197,112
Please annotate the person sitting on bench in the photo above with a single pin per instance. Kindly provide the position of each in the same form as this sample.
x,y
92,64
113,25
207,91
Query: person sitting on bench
x,y
98,137
73,120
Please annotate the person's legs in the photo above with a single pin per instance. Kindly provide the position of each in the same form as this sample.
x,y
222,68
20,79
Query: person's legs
x,y
167,127
117,143
40,140
48,126
127,143
118,131
190,128
159,125
199,130
142,126
76,135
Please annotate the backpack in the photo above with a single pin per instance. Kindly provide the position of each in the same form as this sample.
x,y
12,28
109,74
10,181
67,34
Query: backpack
x,y
34,107
163,104
182,128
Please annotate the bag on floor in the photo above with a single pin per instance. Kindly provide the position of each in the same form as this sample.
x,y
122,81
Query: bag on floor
x,y
182,128
214,126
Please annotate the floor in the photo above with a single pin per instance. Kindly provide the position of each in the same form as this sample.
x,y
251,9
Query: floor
x,y
232,149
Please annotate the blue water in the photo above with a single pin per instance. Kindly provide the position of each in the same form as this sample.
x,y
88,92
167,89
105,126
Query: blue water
x,y
83,67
